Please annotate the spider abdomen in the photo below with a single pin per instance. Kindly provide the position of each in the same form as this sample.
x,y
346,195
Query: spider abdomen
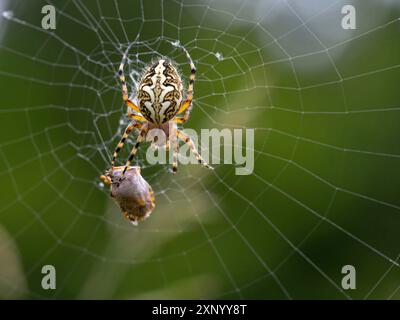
x,y
160,92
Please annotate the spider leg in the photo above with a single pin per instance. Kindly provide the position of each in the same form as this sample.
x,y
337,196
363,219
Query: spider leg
x,y
187,105
167,146
181,120
185,138
120,144
175,146
125,94
137,117
140,138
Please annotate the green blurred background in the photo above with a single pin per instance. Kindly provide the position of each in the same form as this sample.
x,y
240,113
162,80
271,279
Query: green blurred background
x,y
324,103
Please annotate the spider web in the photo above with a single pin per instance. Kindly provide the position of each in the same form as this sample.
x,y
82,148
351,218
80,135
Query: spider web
x,y
324,192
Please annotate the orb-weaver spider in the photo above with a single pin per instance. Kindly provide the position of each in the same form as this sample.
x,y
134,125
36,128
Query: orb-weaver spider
x,y
160,97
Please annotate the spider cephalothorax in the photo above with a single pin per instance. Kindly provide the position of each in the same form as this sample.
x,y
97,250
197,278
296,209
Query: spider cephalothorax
x,y
161,105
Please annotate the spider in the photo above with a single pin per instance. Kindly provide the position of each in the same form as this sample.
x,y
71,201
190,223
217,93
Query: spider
x,y
161,106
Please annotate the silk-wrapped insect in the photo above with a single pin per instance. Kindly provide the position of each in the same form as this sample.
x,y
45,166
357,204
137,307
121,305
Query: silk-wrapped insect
x,y
131,191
